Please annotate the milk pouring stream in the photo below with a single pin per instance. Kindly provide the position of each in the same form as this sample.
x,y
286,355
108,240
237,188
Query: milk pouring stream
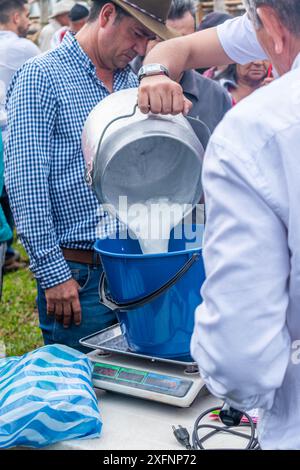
x,y
152,222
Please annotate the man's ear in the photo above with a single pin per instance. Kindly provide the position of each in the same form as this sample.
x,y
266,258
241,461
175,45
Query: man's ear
x,y
15,17
273,27
107,13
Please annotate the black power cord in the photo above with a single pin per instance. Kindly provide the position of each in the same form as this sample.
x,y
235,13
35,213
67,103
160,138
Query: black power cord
x,y
183,437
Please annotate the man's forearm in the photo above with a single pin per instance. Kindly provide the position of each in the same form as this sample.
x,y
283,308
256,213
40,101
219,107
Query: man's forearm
x,y
202,49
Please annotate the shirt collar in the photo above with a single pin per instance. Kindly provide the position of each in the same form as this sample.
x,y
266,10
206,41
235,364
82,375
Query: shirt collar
x,y
7,33
228,83
73,47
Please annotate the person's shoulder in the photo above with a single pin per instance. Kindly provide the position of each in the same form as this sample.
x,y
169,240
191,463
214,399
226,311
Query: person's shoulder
x,y
217,96
28,47
207,84
48,28
205,81
31,76
47,62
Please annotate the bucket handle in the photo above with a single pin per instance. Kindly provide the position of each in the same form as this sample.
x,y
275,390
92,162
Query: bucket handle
x,y
89,169
110,303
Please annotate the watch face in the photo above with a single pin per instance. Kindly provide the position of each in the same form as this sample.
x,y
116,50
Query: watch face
x,y
153,68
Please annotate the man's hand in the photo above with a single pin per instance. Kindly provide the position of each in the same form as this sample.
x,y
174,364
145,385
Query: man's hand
x,y
63,302
161,95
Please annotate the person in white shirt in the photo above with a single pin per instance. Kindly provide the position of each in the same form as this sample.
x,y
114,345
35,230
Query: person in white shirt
x,y
247,331
15,49
57,20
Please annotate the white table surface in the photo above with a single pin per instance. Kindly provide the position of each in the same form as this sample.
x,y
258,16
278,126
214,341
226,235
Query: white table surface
x,y
136,424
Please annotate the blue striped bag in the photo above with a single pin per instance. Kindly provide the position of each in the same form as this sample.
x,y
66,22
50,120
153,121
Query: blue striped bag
x,y
47,396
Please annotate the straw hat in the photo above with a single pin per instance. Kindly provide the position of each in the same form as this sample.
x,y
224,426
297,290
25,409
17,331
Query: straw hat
x,y
153,14
59,8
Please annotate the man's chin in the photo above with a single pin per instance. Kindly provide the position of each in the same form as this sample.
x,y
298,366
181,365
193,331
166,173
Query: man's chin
x,y
122,64
22,34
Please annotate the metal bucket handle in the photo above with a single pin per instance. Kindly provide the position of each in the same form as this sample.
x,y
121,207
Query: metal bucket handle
x,y
110,303
89,169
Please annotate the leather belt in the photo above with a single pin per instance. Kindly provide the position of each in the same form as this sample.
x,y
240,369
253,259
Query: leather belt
x,y
81,256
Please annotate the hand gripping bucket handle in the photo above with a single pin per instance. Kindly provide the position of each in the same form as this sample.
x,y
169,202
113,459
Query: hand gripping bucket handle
x,y
110,303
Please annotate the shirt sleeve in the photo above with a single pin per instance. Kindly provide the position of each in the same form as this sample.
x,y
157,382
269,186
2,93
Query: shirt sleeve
x,y
240,340
239,40
31,118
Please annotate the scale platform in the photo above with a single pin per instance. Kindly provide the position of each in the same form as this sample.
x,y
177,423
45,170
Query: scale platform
x,y
171,381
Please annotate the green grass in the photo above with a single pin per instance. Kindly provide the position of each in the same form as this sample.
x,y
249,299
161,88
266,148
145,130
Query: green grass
x,y
18,315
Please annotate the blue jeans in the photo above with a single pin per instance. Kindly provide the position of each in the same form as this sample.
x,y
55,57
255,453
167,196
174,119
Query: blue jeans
x,y
95,316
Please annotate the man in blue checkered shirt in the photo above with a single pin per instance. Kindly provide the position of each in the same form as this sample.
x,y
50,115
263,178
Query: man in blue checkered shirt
x,y
55,212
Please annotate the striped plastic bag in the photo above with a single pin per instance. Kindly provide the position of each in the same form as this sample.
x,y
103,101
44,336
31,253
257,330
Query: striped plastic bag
x,y
47,396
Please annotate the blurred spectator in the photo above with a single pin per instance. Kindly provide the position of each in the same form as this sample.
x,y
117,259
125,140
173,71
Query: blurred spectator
x,y
15,49
181,16
34,31
242,80
5,231
213,19
58,19
78,17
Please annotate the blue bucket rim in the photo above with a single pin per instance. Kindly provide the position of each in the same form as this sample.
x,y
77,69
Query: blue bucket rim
x,y
154,255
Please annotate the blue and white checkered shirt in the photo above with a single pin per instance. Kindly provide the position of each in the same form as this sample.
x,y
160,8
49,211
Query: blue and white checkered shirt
x,y
49,101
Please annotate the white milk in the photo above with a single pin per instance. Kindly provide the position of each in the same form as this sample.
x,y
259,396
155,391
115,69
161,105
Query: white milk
x,y
152,223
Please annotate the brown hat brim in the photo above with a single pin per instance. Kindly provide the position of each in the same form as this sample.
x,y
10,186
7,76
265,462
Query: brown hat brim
x,y
155,26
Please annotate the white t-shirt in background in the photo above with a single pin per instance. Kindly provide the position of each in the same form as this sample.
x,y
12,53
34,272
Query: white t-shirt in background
x,y
14,51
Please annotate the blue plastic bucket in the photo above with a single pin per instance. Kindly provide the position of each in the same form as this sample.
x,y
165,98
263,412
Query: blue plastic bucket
x,y
163,327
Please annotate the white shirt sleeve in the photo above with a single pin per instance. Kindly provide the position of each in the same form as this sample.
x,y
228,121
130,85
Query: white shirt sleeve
x,y
239,40
23,50
240,340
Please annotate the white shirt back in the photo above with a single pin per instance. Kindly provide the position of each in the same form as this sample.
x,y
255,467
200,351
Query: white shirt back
x,y
14,51
247,331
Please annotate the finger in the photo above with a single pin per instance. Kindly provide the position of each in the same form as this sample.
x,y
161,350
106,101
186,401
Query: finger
x,y
156,106
50,308
178,103
76,309
187,106
67,308
59,312
143,100
166,102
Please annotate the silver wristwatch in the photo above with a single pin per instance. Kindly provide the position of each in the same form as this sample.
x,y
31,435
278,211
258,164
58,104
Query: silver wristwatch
x,y
152,69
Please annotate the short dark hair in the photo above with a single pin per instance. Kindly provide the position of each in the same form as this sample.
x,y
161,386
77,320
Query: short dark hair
x,y
180,7
7,6
97,6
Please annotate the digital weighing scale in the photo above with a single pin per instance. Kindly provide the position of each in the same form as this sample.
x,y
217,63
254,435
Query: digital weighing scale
x,y
116,368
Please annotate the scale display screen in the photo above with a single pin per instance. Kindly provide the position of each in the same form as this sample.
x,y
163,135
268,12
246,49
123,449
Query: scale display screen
x,y
144,380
